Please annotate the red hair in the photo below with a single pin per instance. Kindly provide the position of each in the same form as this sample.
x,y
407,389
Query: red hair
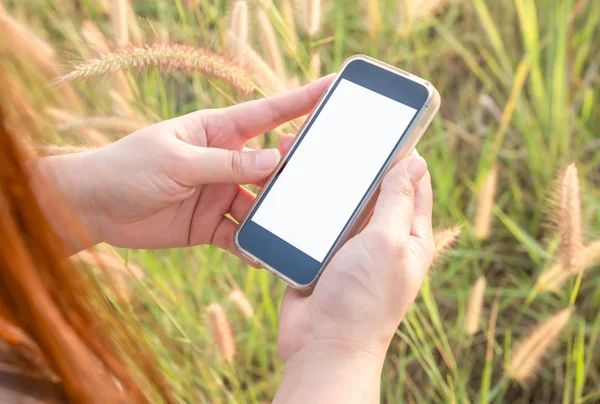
x,y
50,311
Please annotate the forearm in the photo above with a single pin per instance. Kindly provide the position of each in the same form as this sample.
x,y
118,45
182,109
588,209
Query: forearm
x,y
331,374
63,185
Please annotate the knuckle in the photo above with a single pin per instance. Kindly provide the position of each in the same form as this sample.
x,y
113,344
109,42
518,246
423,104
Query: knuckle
x,y
235,163
387,243
396,184
404,191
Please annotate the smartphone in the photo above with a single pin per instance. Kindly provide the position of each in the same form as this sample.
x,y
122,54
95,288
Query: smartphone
x,y
323,190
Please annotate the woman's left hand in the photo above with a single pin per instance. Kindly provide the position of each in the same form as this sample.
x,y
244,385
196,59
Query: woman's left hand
x,y
173,183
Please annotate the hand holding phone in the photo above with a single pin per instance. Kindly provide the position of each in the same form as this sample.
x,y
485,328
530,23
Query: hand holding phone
x,y
333,342
323,190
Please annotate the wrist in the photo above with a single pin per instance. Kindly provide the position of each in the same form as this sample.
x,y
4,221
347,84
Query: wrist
x,y
69,176
325,372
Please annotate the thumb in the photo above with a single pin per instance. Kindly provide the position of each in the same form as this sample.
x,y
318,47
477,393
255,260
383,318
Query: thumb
x,y
395,206
208,165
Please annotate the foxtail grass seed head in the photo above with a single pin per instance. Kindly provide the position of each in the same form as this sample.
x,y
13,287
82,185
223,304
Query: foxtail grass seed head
x,y
98,42
269,41
569,219
444,239
265,78
120,22
221,331
529,352
240,301
239,21
485,203
591,254
312,16
475,306
421,9
166,58
552,279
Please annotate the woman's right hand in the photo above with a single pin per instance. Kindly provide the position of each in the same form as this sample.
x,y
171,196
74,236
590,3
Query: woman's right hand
x,y
333,343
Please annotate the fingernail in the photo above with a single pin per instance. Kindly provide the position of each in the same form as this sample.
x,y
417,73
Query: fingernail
x,y
267,159
416,169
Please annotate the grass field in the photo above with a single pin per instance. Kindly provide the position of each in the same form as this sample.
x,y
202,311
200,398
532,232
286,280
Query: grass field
x,y
520,101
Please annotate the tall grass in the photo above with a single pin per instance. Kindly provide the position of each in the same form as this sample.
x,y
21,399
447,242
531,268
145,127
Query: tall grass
x,y
520,89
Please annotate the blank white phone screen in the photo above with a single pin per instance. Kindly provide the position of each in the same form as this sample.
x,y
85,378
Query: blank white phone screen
x,y
331,170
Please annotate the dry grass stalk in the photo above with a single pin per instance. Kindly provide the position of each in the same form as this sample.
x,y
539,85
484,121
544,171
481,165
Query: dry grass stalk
x,y
475,306
312,16
287,11
373,18
554,278
268,38
118,272
19,41
221,331
294,82
444,239
113,124
102,6
569,219
94,38
120,22
315,66
528,353
61,117
239,22
20,111
167,58
483,217
491,335
109,261
54,150
134,28
120,104
240,301
265,78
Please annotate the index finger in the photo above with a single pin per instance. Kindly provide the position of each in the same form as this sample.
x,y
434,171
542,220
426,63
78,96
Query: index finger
x,y
253,118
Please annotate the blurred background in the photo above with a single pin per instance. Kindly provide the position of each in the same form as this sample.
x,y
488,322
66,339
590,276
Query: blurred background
x,y
510,311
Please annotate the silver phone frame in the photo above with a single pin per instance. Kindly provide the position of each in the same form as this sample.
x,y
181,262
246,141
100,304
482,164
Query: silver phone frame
x,y
363,213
